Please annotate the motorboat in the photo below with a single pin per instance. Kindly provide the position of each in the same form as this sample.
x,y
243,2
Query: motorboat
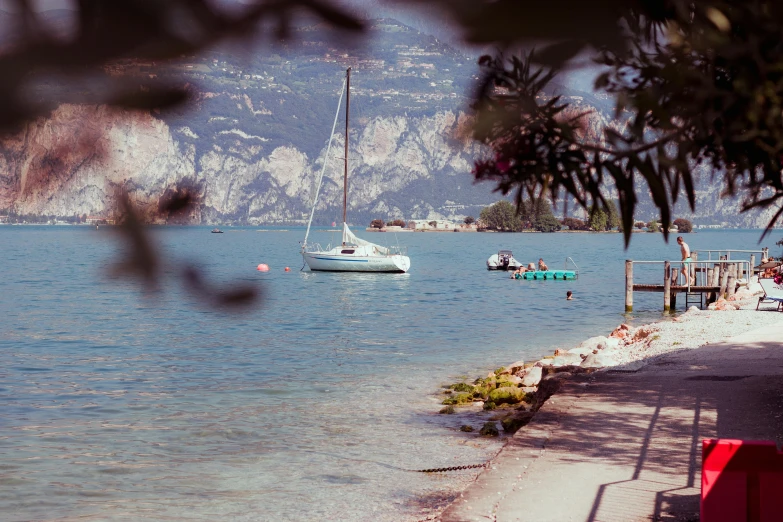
x,y
217,231
503,260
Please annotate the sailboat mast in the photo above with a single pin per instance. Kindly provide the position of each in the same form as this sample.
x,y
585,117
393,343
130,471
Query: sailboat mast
x,y
347,115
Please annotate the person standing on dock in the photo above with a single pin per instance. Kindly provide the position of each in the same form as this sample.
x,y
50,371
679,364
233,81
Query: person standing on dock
x,y
686,259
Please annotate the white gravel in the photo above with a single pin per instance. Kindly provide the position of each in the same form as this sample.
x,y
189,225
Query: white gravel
x,y
696,328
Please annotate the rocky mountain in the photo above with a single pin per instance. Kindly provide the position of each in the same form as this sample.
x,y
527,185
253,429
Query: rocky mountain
x,y
254,139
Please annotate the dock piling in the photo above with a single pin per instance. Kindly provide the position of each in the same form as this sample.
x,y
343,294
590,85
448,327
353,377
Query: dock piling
x,y
752,266
667,287
732,286
628,285
673,282
724,275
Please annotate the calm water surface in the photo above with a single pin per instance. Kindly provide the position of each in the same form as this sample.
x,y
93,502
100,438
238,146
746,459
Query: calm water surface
x,y
117,406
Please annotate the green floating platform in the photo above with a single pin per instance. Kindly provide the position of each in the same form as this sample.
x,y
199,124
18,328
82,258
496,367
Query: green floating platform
x,y
557,275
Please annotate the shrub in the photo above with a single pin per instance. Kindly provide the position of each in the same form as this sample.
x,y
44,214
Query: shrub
x,y
376,223
547,223
683,225
574,224
470,220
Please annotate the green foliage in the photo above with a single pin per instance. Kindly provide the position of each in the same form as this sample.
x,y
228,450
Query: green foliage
x,y
397,223
547,223
653,226
469,220
598,220
376,223
542,217
613,219
683,225
501,216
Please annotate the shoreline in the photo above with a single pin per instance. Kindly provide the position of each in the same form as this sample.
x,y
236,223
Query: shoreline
x,y
625,349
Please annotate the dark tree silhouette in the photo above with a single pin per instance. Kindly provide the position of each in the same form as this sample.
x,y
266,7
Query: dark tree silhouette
x,y
696,82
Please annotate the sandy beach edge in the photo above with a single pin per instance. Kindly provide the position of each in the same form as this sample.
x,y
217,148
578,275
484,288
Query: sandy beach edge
x,y
625,349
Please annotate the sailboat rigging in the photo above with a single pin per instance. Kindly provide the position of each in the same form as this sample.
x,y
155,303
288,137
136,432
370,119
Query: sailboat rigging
x,y
354,254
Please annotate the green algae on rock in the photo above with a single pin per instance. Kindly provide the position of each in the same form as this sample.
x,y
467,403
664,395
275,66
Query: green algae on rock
x,y
489,429
460,398
448,410
507,395
517,420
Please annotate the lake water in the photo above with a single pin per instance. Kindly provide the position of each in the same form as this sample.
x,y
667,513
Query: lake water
x,y
117,406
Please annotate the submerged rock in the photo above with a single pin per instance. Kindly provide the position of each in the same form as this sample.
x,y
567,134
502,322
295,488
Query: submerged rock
x,y
489,429
448,410
460,398
512,423
462,387
466,428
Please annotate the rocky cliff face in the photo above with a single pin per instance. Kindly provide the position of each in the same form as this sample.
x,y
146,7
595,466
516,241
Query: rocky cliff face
x,y
73,162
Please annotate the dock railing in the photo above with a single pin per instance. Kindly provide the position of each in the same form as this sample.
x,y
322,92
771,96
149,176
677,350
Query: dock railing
x,y
734,255
711,277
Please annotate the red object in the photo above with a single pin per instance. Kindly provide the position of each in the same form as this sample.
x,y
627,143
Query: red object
x,y
262,268
287,269
741,481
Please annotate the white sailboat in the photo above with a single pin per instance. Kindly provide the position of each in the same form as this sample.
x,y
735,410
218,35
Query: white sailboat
x,y
353,254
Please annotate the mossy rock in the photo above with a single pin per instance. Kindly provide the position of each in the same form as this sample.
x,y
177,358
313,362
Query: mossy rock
x,y
448,410
488,406
506,395
467,428
500,370
462,387
460,398
489,429
504,382
512,423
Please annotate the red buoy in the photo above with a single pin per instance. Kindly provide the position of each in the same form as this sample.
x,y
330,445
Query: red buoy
x,y
287,269
263,268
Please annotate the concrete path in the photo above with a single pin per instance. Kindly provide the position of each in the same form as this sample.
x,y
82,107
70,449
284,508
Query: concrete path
x,y
622,446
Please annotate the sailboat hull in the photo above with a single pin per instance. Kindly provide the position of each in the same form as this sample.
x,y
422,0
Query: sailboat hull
x,y
329,262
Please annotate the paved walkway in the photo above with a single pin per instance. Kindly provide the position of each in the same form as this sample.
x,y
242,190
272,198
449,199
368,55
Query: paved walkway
x,y
621,446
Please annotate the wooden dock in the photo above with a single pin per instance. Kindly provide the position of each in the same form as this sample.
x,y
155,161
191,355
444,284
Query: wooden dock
x,y
713,278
